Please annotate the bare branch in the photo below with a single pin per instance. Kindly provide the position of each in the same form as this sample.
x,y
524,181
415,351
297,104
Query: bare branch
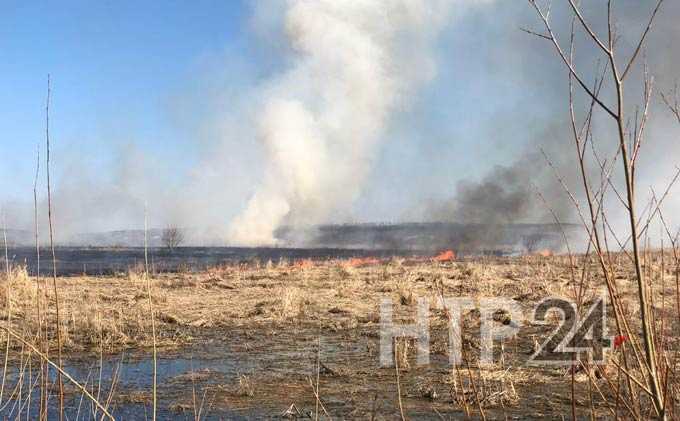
x,y
645,114
588,29
530,32
610,31
660,201
568,63
674,104
642,40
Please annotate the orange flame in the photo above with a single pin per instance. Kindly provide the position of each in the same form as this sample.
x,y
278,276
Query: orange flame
x,y
445,256
544,253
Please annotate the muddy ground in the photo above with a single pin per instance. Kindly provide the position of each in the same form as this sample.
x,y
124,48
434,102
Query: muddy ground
x,y
255,341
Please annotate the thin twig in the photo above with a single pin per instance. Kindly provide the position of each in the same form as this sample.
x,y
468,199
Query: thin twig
x,y
54,257
151,311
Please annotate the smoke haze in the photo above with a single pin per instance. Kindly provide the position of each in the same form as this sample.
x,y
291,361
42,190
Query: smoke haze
x,y
365,111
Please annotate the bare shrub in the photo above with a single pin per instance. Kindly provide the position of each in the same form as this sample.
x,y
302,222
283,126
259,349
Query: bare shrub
x,y
647,376
172,237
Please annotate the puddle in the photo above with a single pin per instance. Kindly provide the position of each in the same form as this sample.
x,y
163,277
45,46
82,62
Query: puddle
x,y
212,368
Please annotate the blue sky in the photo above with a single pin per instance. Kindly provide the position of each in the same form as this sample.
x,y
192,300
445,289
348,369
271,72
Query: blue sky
x,y
158,77
113,65
162,78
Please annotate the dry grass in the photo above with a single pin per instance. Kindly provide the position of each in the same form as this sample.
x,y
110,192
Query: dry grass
x,y
330,293
334,298
23,288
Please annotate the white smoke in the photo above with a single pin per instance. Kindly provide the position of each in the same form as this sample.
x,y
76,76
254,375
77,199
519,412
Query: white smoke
x,y
355,63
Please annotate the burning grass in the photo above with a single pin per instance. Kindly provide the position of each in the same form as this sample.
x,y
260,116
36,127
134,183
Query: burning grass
x,y
263,309
445,256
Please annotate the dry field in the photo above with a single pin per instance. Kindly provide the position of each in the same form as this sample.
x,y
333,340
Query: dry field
x,y
287,330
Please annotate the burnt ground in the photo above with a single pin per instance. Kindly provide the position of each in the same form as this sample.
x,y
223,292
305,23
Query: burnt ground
x,y
98,261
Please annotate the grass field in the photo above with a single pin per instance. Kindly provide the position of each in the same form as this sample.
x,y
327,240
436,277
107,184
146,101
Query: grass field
x,y
263,337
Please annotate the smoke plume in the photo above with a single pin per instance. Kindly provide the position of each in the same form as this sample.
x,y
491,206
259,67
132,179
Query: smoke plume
x,y
333,111
507,193
354,64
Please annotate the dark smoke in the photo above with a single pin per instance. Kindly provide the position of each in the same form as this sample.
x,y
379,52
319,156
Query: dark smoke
x,y
508,193
503,196
486,47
